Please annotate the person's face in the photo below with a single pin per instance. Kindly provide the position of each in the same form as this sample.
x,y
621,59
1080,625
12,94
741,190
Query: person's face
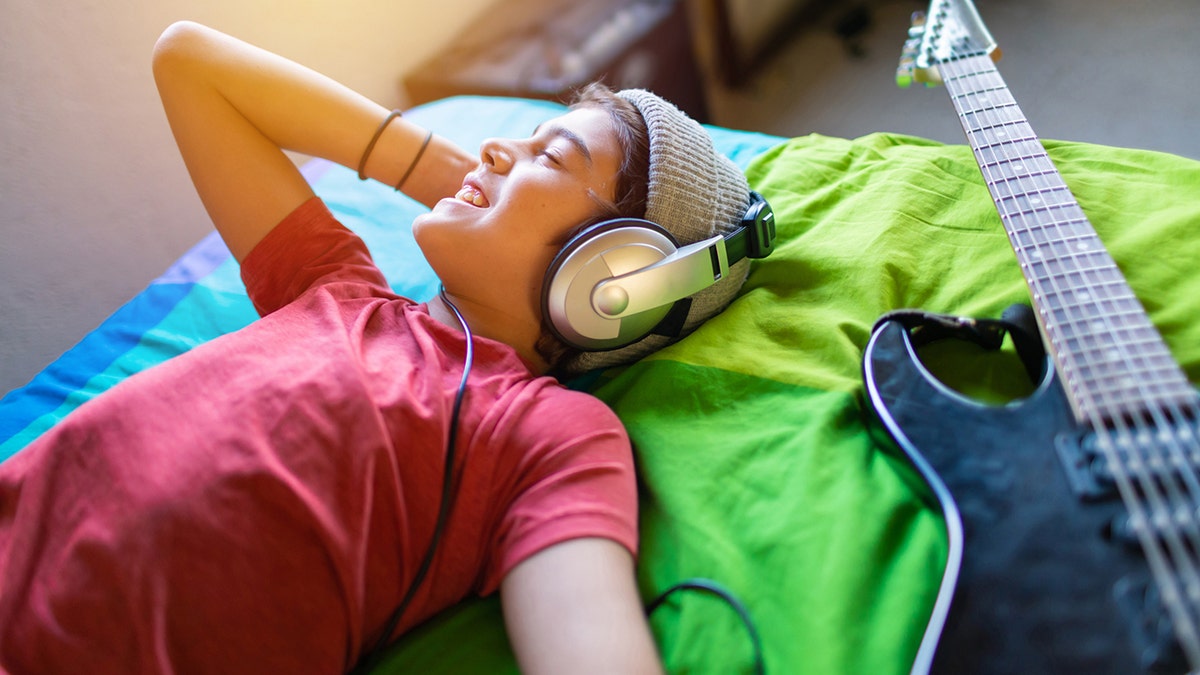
x,y
492,242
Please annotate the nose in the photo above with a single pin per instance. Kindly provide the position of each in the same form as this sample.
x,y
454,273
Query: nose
x,y
497,154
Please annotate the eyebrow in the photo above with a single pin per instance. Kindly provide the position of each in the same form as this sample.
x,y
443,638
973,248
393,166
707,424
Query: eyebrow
x,y
571,137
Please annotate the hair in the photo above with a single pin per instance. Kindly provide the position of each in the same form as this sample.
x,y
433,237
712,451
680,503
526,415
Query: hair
x,y
631,193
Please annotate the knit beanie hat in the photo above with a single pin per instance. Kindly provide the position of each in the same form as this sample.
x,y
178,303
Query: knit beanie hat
x,y
695,193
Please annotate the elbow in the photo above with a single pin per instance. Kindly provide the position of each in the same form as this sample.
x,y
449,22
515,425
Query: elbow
x,y
180,42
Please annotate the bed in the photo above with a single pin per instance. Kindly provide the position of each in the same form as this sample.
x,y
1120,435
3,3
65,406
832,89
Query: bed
x,y
760,466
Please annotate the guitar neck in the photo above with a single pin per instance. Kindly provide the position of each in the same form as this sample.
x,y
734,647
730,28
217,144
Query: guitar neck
x,y
1111,359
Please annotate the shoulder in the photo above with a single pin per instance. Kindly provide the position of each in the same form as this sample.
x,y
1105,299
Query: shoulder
x,y
556,411
307,248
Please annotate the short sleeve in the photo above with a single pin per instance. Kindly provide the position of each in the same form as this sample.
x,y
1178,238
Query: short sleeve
x,y
307,248
579,482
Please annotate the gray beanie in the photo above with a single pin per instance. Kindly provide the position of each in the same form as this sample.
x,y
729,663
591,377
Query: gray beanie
x,y
695,193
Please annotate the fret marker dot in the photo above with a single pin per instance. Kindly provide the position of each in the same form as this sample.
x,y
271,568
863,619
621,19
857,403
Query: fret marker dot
x,y
1082,246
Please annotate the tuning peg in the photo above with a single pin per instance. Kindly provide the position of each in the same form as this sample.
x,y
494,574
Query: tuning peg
x,y
908,53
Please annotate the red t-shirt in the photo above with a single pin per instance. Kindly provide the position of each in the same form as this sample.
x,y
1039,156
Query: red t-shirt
x,y
262,502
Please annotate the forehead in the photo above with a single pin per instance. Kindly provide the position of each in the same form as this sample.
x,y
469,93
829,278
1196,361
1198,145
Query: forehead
x,y
589,131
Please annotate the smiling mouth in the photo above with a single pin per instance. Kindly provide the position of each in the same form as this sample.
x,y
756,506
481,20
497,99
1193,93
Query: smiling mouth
x,y
471,195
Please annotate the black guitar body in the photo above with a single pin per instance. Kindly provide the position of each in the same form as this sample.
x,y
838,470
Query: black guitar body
x,y
1047,583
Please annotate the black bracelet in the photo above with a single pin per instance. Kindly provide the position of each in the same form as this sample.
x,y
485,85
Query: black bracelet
x,y
421,151
362,164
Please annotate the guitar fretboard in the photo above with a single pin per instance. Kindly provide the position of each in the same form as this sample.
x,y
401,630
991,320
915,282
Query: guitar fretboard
x,y
1111,359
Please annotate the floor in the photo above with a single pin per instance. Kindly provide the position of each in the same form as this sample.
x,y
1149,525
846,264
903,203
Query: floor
x,y
1103,71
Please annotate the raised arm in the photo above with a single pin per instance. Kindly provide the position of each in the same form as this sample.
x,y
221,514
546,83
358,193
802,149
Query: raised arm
x,y
234,109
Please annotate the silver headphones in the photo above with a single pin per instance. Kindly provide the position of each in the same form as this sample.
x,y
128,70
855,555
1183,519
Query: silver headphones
x,y
617,281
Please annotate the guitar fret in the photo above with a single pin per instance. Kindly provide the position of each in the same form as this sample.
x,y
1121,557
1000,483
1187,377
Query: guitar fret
x,y
950,77
1038,198
1018,169
1132,343
987,91
1063,244
1013,177
987,117
1107,363
1054,237
1112,382
975,122
1016,188
1012,142
1085,299
1098,278
1120,391
1090,315
1025,205
982,106
1107,349
1097,305
1104,299
1039,153
1130,395
983,93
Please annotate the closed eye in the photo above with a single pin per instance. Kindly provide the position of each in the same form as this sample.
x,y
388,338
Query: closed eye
x,y
576,142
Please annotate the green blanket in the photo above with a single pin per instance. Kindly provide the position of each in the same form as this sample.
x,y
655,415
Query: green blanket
x,y
760,469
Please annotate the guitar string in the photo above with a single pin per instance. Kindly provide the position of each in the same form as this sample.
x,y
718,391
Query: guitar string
x,y
1020,214
1125,433
1179,443
1173,401
1060,187
1169,585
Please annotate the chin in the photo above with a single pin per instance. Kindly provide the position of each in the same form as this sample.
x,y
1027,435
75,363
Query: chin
x,y
424,228
419,221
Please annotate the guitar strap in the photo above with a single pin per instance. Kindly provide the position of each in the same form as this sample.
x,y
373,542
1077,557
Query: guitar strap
x,y
1018,322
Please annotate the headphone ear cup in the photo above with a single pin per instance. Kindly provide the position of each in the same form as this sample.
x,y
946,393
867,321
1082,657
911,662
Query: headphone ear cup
x,y
597,253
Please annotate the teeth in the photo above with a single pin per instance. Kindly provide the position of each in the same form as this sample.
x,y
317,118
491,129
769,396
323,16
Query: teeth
x,y
471,196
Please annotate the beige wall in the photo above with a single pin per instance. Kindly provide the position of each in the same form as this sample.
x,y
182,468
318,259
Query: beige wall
x,y
94,201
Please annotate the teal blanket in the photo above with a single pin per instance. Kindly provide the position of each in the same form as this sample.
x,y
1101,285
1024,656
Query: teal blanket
x,y
759,464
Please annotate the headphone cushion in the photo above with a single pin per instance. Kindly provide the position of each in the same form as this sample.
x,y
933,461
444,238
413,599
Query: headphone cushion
x,y
596,253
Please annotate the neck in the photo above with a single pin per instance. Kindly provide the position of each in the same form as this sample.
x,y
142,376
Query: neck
x,y
487,322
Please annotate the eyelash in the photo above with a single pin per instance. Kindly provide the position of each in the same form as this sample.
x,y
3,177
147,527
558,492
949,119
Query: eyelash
x,y
553,157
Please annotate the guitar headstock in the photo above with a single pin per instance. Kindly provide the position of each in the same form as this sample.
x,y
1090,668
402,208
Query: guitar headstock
x,y
950,30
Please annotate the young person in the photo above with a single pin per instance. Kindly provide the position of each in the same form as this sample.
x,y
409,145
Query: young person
x,y
276,500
